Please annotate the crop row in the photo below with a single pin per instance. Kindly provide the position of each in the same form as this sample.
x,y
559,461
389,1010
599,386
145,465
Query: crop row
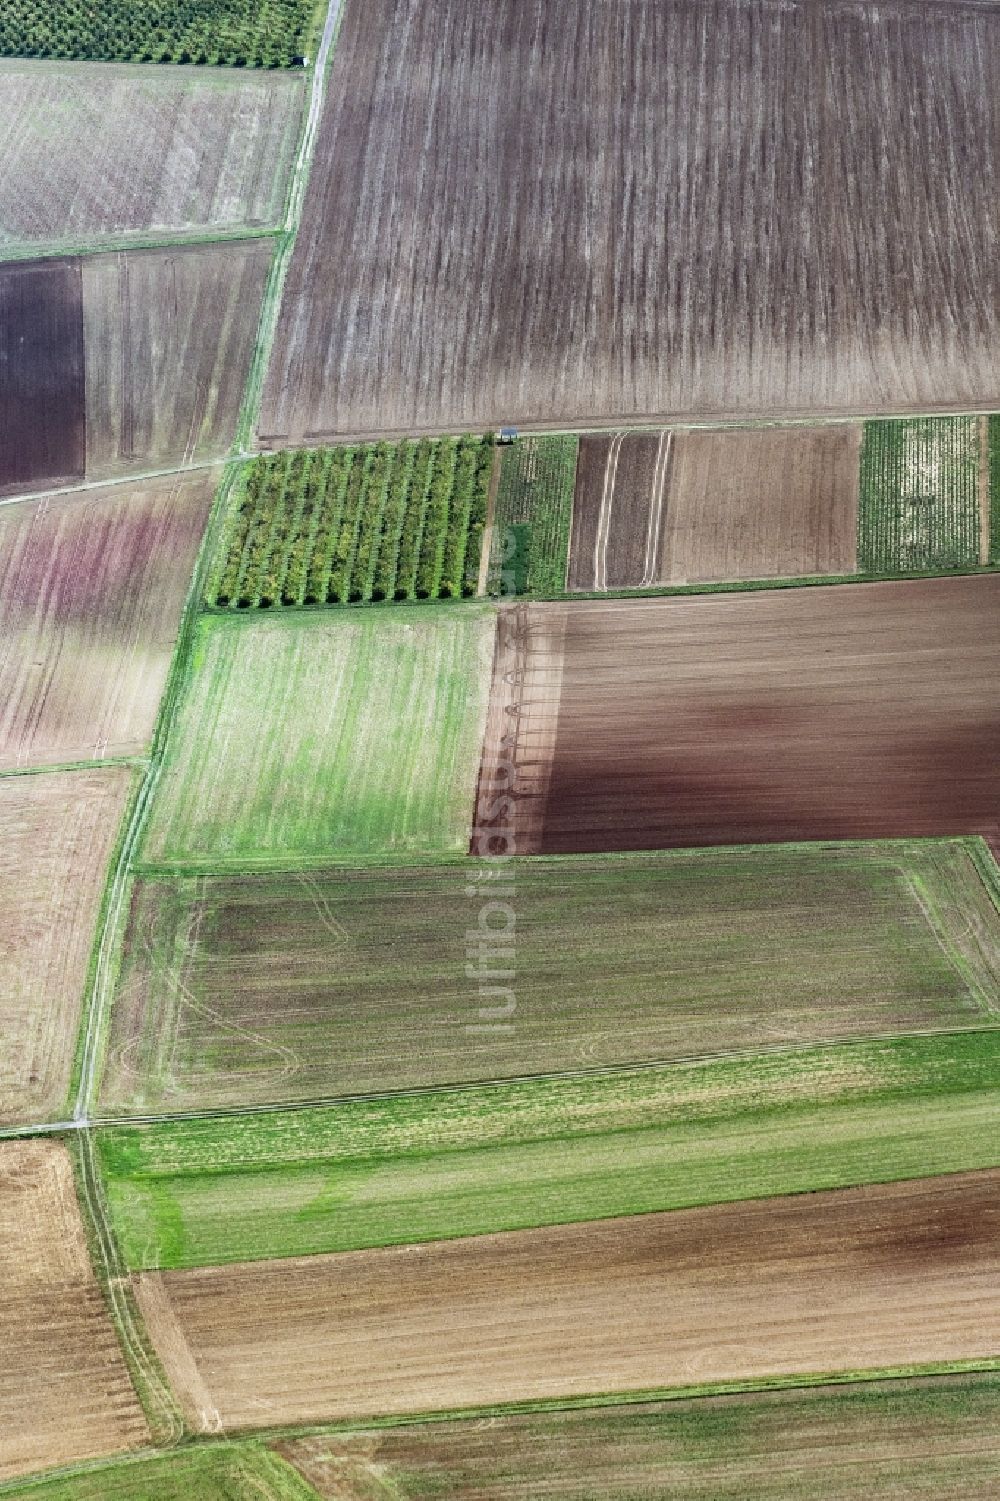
x,y
348,525
919,495
237,33
534,511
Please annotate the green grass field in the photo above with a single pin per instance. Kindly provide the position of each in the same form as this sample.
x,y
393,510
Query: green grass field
x,y
221,1472
243,33
918,505
325,735
466,1162
349,525
534,509
937,1438
285,987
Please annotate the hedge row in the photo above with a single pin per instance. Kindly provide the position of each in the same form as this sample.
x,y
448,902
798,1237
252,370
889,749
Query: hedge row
x,y
348,525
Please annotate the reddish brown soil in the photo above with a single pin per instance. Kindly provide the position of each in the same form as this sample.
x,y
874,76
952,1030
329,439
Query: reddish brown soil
x,y
41,375
852,1280
91,591
576,213
845,712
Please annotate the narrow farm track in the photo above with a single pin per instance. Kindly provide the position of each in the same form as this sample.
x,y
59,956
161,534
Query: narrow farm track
x,y
156,1394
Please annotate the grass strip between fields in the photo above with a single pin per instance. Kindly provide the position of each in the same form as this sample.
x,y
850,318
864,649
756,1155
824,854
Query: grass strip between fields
x,y
211,1471
543,1152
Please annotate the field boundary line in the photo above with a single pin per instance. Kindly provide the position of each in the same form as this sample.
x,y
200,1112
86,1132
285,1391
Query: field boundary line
x,y
152,1389
605,426
288,233
486,551
639,1397
38,769
631,1066
86,485
110,930
81,250
983,427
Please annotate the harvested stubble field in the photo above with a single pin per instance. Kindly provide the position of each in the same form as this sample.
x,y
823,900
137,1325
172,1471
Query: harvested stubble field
x,y
281,987
57,831
219,1472
258,33
168,335
428,1167
90,152
351,525
920,506
676,506
854,1280
854,711
936,1438
42,385
325,735
91,591
567,214
531,524
67,1396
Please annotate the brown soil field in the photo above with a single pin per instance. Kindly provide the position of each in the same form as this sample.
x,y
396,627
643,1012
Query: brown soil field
x,y
898,1440
677,507
851,1280
841,712
57,832
65,1394
91,591
90,151
41,375
571,214
169,335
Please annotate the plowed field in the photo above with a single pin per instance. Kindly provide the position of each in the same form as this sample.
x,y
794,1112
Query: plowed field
x,y
852,711
41,375
91,591
852,1280
169,335
691,506
537,213
57,831
65,1394
91,151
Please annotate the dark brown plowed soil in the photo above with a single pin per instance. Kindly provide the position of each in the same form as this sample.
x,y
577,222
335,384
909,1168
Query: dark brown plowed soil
x,y
855,711
42,431
545,213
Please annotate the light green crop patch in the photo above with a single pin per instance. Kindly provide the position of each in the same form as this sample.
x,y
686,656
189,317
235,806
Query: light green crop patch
x,y
318,736
223,1472
551,1151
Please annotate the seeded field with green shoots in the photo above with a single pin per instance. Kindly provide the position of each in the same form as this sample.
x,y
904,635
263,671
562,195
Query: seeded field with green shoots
x,y
542,1152
348,525
534,508
325,735
937,1438
297,985
919,497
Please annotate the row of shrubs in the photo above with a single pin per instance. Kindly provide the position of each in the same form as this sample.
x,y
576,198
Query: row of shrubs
x,y
234,33
347,525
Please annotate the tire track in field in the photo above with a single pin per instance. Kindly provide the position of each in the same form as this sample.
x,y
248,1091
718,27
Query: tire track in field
x,y
604,515
662,470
